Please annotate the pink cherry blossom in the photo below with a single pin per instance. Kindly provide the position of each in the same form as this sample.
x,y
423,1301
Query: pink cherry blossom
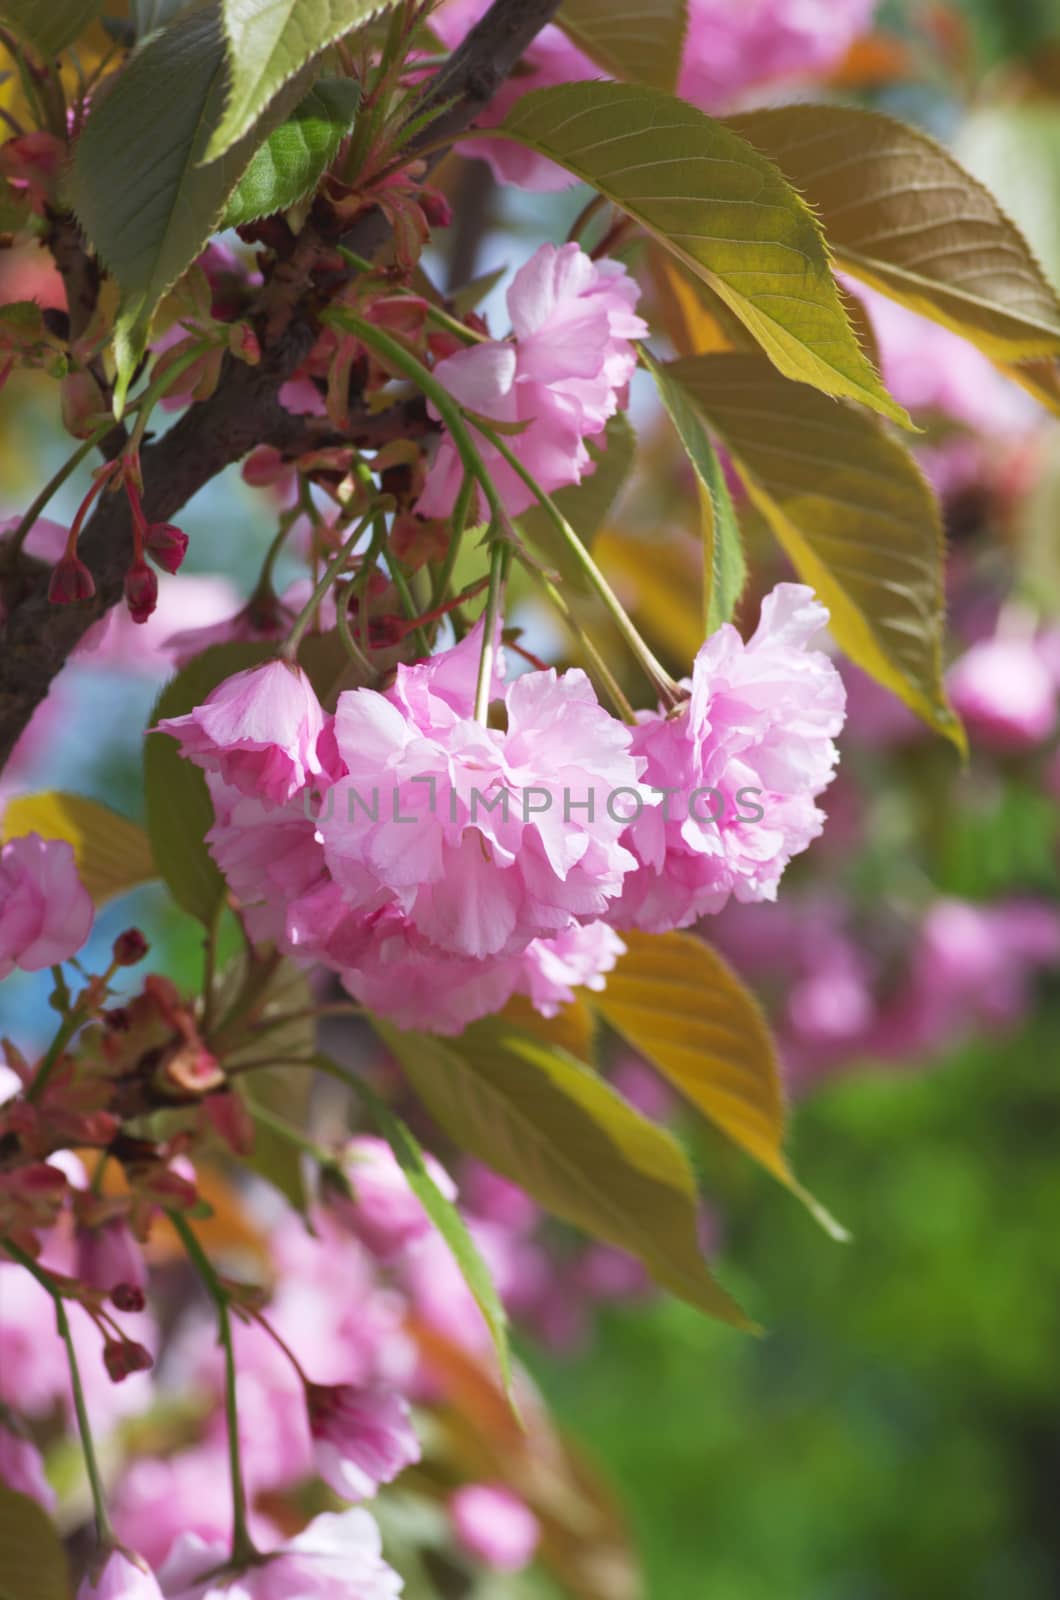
x,y
21,1467
550,59
361,1438
580,957
731,48
337,1557
1004,690
481,839
746,756
494,1525
562,374
384,1213
123,1577
45,910
260,729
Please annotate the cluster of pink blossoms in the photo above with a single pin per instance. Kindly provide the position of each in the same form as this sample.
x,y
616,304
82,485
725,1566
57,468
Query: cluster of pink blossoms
x,y
440,866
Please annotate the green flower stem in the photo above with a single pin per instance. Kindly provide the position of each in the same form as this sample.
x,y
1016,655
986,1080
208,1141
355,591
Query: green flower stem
x,y
331,572
67,1029
243,1549
456,533
500,561
104,1531
654,669
13,545
159,387
286,1130
600,666
406,363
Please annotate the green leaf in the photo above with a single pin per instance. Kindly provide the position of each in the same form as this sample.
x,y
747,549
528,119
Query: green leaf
x,y
295,157
552,1126
721,208
901,213
48,26
724,568
268,42
585,505
113,854
179,813
277,1090
639,40
676,1001
137,185
32,1558
150,15
853,511
447,1219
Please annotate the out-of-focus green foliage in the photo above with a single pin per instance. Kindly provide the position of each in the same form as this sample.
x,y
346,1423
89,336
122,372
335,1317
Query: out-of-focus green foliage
x,y
895,1434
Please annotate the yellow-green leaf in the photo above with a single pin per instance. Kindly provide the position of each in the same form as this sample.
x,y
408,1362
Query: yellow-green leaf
x,y
113,854
900,212
724,568
551,1125
721,208
853,511
676,1001
640,40
32,1558
268,42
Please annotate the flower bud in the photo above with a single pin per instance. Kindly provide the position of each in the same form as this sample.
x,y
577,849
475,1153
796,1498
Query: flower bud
x,y
121,1357
70,582
141,591
127,1297
166,545
130,947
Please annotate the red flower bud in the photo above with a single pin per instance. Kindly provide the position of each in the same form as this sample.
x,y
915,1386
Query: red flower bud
x,y
141,591
123,1356
130,947
435,208
70,582
166,545
127,1297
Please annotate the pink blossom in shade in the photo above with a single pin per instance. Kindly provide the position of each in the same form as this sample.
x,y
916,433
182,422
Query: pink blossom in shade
x,y
580,957
931,370
732,48
494,1525
157,1499
384,1214
1005,693
123,1576
563,374
21,1467
260,730
361,1438
108,1255
970,965
757,732
271,860
339,1556
550,59
472,881
45,910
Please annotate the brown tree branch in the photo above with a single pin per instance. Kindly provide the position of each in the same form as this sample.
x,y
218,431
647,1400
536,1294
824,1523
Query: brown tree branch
x,y
244,410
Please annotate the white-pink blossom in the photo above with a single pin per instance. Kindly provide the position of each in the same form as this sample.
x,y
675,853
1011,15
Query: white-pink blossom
x,y
561,375
744,760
